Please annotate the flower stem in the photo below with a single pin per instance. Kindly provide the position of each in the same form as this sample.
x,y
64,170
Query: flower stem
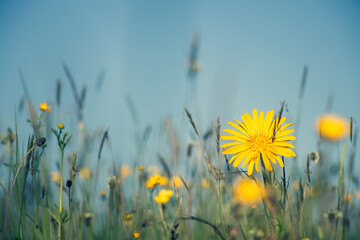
x,y
61,190
162,218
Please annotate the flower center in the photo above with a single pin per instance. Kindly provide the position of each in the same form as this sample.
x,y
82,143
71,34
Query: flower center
x,y
258,142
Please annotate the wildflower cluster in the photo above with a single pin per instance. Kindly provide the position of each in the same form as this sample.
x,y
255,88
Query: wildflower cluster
x,y
155,180
61,138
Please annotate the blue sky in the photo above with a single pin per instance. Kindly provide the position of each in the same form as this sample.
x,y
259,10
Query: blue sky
x,y
252,56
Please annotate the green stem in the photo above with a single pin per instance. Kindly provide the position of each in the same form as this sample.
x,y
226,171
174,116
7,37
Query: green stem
x,y
61,190
163,219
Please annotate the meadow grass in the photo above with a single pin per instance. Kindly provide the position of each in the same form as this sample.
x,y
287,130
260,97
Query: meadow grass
x,y
306,199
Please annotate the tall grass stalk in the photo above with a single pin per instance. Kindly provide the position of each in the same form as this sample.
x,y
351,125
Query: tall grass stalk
x,y
61,189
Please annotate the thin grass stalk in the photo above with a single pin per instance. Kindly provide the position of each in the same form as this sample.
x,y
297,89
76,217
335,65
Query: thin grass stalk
x,y
163,219
12,186
61,190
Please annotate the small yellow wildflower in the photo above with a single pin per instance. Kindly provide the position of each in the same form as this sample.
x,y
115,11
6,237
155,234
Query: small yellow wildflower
x,y
44,107
55,177
305,239
136,234
103,193
348,198
163,196
163,181
205,183
153,181
85,173
125,171
177,182
128,217
140,168
254,206
332,127
61,126
247,192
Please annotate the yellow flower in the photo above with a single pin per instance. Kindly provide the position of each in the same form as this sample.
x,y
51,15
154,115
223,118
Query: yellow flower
x,y
103,193
332,127
127,217
140,168
55,177
136,234
163,196
153,181
247,192
258,137
44,107
358,194
125,171
85,173
348,198
205,183
176,181
61,126
164,181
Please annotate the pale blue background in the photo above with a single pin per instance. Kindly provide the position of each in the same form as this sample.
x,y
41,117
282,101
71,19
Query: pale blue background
x,y
252,56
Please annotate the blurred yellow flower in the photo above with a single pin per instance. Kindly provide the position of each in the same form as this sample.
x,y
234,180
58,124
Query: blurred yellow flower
x,y
163,196
247,192
348,198
44,107
103,192
136,234
55,177
153,181
176,182
140,168
85,173
163,181
205,183
61,126
125,171
127,217
332,127
259,137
